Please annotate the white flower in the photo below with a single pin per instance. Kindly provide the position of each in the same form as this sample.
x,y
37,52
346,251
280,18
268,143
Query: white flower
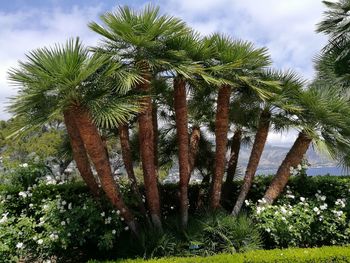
x,y
31,205
126,228
64,202
118,212
302,199
268,230
338,213
290,196
317,210
262,201
259,209
299,167
324,206
22,194
24,165
4,218
246,202
283,218
340,202
45,207
171,207
69,206
283,210
53,236
63,223
103,214
114,231
323,198
40,241
19,245
69,234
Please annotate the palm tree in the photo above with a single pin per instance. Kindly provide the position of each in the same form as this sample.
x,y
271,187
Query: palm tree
x,y
243,59
66,80
291,86
138,39
336,22
323,121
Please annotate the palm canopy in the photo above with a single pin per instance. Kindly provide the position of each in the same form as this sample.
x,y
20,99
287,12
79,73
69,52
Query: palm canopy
x,y
139,38
323,119
238,63
336,23
53,79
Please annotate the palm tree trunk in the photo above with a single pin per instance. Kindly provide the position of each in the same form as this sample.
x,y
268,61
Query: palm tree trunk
x,y
79,153
183,141
104,141
94,147
292,159
155,134
146,138
194,146
221,129
128,164
254,159
233,161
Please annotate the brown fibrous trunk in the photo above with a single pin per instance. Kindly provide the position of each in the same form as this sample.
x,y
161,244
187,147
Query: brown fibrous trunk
x,y
233,161
194,147
180,105
221,130
128,164
292,159
254,159
146,139
97,152
79,153
155,134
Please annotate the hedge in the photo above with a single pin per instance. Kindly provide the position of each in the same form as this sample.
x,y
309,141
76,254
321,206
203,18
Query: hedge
x,y
316,255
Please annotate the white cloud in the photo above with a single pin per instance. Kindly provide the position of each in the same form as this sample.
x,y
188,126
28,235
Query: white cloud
x,y
282,139
287,28
24,31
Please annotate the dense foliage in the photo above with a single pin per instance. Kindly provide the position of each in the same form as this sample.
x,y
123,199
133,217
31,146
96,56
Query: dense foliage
x,y
46,217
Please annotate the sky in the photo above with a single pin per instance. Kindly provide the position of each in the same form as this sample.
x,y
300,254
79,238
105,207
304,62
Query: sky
x,y
286,28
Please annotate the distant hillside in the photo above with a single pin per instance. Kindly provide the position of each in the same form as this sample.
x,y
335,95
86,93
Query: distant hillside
x,y
274,155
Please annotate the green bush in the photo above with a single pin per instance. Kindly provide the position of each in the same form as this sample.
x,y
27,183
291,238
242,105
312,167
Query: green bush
x,y
310,255
60,221
304,222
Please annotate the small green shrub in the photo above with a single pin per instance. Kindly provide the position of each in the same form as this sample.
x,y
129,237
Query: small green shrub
x,y
222,233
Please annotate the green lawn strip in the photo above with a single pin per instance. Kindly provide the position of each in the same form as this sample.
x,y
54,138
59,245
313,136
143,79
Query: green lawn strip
x,y
323,254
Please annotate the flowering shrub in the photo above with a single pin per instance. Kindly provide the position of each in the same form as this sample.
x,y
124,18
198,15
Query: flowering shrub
x,y
303,221
53,219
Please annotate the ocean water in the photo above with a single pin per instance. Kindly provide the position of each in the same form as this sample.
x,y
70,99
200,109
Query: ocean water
x,y
312,171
